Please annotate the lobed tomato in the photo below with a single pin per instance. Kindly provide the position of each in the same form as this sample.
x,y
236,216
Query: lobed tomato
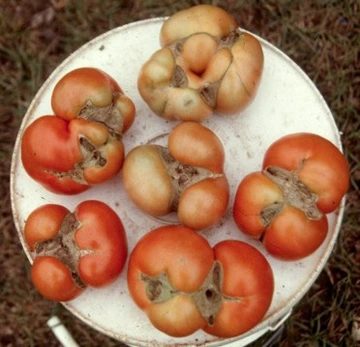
x,y
186,178
75,250
184,285
92,94
81,145
304,177
206,65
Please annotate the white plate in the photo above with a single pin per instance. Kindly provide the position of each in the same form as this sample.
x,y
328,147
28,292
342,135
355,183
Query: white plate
x,y
286,102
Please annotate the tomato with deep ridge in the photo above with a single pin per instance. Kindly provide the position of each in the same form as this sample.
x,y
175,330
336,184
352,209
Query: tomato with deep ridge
x,y
304,178
206,64
186,177
81,144
183,284
74,250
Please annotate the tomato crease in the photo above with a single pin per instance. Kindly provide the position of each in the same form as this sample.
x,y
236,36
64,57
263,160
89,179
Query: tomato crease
x,y
110,116
182,175
63,247
295,192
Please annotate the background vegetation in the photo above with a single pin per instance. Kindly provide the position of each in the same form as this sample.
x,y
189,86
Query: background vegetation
x,y
323,37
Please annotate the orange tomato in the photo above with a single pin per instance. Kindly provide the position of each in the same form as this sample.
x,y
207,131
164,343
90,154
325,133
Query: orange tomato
x,y
75,250
91,93
304,178
184,285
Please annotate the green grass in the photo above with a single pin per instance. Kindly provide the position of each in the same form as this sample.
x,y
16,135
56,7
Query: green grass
x,y
323,37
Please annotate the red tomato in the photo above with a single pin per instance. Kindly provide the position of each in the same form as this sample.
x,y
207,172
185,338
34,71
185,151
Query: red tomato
x,y
184,285
75,250
206,65
304,177
81,145
247,288
58,285
187,177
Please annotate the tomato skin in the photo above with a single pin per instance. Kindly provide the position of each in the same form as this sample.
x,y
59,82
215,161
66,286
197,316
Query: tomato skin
x,y
53,280
248,277
182,320
103,233
304,177
205,147
324,168
175,277
145,161
292,236
204,204
91,242
201,18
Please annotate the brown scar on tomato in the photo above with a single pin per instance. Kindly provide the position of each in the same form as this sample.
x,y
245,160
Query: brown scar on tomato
x,y
63,247
209,91
179,78
295,193
208,299
182,176
92,157
109,115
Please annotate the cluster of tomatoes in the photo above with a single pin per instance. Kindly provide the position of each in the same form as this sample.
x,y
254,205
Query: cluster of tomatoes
x,y
180,281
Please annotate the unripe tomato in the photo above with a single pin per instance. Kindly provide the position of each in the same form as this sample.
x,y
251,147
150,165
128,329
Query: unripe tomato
x,y
184,285
81,144
304,177
187,177
206,65
74,250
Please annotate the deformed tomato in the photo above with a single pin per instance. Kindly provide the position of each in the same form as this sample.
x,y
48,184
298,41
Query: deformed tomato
x,y
75,250
304,177
206,65
184,285
81,144
92,94
186,177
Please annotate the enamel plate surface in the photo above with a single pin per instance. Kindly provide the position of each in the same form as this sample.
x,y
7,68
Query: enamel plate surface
x,y
286,102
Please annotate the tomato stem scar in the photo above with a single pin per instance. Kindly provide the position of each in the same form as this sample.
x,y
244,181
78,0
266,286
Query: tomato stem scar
x,y
295,193
208,298
109,115
63,247
183,176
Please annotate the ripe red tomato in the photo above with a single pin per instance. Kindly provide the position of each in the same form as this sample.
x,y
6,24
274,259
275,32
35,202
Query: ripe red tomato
x,y
81,145
75,250
206,65
184,285
187,177
304,177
